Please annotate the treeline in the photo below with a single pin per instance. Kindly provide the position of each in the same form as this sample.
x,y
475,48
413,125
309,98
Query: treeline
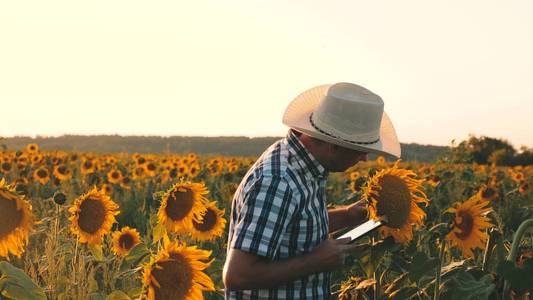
x,y
232,146
487,150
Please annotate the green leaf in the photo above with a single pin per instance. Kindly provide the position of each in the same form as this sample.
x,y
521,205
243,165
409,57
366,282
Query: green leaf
x,y
15,284
520,279
373,258
463,286
137,255
158,232
118,295
421,265
97,252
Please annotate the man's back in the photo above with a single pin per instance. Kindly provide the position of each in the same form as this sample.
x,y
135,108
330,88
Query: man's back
x,y
279,211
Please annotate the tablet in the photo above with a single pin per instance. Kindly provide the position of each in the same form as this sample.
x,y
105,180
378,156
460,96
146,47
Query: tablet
x,y
361,230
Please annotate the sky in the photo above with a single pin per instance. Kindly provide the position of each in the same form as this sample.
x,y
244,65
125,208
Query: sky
x,y
445,69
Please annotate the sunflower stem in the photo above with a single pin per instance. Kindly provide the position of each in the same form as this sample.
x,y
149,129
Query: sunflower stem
x,y
491,241
514,251
436,293
377,286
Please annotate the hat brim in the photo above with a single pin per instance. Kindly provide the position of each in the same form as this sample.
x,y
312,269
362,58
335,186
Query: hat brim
x,y
299,110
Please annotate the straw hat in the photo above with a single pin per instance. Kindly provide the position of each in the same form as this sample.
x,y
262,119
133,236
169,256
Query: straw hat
x,y
344,114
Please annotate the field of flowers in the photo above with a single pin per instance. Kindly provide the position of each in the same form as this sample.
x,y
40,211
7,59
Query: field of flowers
x,y
120,226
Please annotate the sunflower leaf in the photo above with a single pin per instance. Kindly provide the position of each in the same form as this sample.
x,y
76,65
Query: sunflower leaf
x,y
520,278
463,286
420,265
159,232
118,295
97,252
15,284
136,255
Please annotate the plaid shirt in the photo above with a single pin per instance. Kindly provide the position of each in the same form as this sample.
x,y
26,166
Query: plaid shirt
x,y
278,212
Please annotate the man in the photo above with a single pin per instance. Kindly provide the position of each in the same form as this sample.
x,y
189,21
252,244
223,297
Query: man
x,y
278,246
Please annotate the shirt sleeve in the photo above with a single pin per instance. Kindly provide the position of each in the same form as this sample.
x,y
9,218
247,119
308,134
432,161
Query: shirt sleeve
x,y
267,210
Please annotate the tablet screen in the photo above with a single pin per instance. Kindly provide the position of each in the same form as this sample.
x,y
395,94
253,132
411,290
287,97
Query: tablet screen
x,y
361,230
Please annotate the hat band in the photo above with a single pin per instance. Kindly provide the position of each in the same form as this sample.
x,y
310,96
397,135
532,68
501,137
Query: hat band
x,y
338,137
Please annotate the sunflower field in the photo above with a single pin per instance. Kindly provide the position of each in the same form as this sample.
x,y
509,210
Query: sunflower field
x,y
154,226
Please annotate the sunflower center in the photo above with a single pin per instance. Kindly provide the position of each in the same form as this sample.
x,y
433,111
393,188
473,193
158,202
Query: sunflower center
x,y
12,217
126,241
174,277
210,220
42,173
179,204
394,200
466,224
6,166
92,215
62,170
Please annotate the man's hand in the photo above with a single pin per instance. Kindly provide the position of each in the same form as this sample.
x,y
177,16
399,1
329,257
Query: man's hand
x,y
331,254
357,213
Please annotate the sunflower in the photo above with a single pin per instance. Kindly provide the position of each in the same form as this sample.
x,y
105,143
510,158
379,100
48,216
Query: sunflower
x,y
124,240
212,224
488,193
92,216
182,170
394,193
125,183
32,148
114,176
523,188
140,161
16,221
176,273
139,173
433,180
87,167
518,176
181,204
107,189
41,175
150,169
5,167
233,167
194,170
62,173
469,225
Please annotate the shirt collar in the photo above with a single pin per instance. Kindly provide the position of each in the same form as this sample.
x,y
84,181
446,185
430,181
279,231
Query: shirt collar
x,y
306,160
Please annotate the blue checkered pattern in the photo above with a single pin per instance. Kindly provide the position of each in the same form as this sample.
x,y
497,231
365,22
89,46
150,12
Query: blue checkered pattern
x,y
279,211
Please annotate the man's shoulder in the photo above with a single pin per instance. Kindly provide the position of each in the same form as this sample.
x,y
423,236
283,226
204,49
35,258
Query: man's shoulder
x,y
274,163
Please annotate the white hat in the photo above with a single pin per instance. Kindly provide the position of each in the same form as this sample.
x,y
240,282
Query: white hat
x,y
344,114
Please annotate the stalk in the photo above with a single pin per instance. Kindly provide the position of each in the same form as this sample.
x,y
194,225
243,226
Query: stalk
x,y
436,293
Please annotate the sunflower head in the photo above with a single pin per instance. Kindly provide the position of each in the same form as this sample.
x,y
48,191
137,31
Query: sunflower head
x,y
177,273
394,193
488,193
469,224
212,223
41,175
32,148
181,204
114,176
16,221
92,216
124,240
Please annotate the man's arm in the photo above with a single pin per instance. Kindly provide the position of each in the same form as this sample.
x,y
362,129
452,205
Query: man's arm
x,y
245,271
347,216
